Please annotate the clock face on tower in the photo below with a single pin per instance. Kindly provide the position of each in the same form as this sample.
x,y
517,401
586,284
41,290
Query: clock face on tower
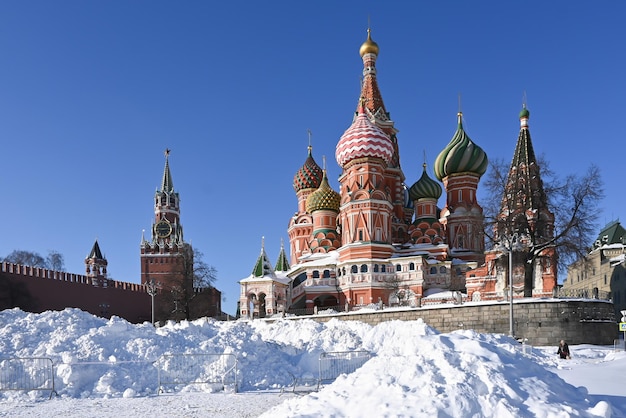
x,y
163,229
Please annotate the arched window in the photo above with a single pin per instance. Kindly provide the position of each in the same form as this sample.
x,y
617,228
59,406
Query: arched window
x,y
354,269
316,274
398,267
375,268
299,279
363,268
442,269
326,274
433,270
383,268
411,266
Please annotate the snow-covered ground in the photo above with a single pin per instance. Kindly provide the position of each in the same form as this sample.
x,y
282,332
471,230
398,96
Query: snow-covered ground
x,y
414,371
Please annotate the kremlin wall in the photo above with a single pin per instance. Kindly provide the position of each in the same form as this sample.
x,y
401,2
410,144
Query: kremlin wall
x,y
166,263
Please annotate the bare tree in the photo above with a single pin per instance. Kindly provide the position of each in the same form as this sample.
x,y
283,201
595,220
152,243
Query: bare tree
x,y
179,294
54,260
573,201
398,290
203,274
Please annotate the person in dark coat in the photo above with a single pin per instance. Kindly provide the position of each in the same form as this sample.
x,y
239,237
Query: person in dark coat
x,y
563,350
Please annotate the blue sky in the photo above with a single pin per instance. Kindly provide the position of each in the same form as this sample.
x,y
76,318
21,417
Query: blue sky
x,y
91,94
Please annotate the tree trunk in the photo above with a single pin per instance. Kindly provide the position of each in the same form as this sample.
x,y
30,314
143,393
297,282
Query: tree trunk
x,y
529,270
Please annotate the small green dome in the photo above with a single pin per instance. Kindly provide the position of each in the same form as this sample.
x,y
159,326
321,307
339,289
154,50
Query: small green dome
x,y
461,155
425,187
524,113
323,198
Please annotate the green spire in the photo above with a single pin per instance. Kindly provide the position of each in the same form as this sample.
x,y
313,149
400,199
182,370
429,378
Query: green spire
x,y
282,264
167,185
262,267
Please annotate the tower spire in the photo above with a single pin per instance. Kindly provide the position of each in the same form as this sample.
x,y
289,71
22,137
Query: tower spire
x,y
167,185
310,134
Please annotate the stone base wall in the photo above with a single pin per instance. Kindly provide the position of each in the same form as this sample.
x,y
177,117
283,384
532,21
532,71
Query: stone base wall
x,y
540,322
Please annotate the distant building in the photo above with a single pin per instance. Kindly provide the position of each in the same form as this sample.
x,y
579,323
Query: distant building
x,y
603,270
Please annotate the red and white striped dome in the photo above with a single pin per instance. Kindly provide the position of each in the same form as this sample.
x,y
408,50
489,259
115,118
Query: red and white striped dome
x,y
363,139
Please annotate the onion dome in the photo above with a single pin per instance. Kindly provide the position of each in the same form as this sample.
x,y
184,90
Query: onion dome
x,y
309,176
461,155
425,187
524,113
363,139
324,198
369,46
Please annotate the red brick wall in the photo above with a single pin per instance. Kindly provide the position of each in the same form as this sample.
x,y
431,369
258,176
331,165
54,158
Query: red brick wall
x,y
38,290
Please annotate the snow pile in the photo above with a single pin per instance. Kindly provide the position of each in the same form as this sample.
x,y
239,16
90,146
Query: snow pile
x,y
414,371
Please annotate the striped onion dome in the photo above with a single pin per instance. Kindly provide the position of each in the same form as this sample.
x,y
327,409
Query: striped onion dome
x,y
363,139
309,176
425,187
323,198
461,155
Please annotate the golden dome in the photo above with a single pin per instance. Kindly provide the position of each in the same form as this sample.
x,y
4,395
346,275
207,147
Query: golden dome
x,y
369,46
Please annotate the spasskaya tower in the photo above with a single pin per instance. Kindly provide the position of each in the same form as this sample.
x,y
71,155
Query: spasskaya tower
x,y
163,254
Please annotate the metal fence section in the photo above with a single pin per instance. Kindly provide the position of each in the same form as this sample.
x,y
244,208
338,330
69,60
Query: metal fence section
x,y
590,293
332,364
186,369
128,373
27,374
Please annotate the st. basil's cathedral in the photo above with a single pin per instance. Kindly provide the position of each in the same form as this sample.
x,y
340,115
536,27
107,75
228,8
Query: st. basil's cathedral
x,y
377,240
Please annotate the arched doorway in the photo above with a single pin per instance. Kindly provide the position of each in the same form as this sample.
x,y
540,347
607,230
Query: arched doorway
x,y
261,305
326,301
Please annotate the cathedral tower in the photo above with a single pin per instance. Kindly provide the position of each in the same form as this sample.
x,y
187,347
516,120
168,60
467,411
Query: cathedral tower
x,y
525,221
459,166
306,180
373,106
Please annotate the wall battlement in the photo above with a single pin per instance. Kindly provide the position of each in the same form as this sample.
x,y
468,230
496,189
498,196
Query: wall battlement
x,y
42,273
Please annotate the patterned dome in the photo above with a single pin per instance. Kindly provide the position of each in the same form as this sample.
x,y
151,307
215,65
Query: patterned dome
x,y
309,176
425,187
461,155
323,198
363,139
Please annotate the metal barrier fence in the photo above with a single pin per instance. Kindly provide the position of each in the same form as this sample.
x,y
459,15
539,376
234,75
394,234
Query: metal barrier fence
x,y
27,374
186,369
332,364
591,293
